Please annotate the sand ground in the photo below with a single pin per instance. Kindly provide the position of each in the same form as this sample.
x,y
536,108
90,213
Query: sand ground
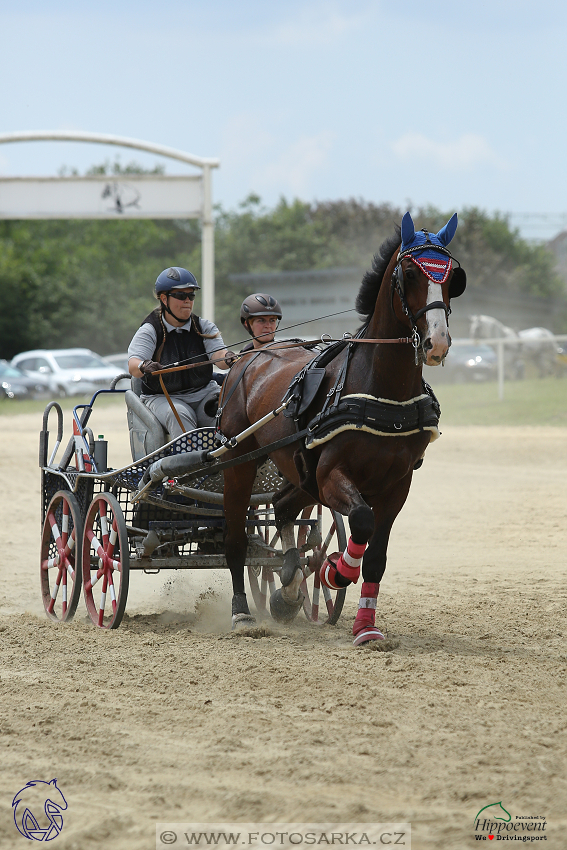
x,y
174,718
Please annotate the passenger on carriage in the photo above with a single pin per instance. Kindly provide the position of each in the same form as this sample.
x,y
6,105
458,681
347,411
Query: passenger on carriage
x,y
260,314
170,334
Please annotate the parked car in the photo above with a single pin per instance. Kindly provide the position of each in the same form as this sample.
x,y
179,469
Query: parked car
x,y
561,359
69,371
120,363
15,384
469,362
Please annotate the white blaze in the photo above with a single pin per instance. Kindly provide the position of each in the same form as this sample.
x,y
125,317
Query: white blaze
x,y
437,329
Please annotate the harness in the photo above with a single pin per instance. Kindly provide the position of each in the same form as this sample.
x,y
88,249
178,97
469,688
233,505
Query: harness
x,y
355,412
382,417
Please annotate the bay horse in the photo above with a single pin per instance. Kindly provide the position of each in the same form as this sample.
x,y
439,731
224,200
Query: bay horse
x,y
360,474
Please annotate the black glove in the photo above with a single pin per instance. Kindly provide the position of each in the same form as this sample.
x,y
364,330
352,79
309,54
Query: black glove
x,y
148,366
230,358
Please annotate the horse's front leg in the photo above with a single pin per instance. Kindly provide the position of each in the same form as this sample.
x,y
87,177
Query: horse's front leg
x,y
340,494
374,563
238,483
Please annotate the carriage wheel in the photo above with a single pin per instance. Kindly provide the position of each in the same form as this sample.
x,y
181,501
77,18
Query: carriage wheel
x,y
60,561
326,610
333,540
106,562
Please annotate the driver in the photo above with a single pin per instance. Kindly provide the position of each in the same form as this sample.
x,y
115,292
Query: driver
x,y
173,333
260,314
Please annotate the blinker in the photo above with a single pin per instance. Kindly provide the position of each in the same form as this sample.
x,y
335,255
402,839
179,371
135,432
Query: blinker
x,y
458,282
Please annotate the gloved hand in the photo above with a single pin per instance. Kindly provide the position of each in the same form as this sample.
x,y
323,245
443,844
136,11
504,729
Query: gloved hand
x,y
230,358
148,366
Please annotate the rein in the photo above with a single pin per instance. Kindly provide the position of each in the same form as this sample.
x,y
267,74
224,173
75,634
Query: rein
x,y
284,346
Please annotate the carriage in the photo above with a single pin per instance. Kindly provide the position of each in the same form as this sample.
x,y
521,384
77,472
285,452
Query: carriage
x,y
97,528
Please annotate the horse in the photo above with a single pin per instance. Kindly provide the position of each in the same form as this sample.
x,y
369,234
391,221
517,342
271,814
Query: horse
x,y
487,327
358,472
539,345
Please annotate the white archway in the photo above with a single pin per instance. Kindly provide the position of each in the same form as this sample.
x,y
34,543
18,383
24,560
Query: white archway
x,y
205,213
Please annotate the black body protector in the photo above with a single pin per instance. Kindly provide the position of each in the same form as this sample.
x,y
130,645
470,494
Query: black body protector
x,y
174,347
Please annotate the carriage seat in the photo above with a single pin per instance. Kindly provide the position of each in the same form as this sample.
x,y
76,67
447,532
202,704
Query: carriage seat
x,y
146,431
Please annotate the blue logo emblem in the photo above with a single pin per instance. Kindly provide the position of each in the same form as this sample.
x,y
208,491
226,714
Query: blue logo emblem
x,y
37,810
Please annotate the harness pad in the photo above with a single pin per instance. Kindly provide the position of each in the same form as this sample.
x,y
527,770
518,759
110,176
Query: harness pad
x,y
380,416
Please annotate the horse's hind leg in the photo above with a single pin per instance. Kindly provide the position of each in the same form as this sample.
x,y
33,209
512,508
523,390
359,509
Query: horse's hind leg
x,y
238,483
287,600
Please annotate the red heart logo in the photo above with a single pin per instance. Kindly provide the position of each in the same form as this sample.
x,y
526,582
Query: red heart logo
x,y
491,837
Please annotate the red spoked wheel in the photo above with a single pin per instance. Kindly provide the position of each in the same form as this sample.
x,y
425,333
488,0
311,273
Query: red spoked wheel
x,y
106,561
60,560
333,539
264,581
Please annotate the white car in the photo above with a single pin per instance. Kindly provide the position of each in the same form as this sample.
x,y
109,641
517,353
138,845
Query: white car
x,y
120,362
69,371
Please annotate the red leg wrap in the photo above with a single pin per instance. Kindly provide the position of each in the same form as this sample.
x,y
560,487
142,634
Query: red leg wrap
x,y
364,629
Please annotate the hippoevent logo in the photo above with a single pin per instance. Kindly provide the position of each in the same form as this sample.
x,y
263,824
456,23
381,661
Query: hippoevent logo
x,y
494,822
37,810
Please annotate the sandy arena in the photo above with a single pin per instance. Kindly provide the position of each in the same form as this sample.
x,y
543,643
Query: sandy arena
x,y
174,718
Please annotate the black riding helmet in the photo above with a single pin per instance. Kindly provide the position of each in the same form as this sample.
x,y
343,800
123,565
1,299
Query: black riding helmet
x,y
259,304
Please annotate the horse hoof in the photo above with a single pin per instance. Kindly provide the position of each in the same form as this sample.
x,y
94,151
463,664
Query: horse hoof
x,y
291,563
281,609
368,634
242,621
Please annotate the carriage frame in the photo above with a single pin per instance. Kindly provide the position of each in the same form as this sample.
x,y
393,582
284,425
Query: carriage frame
x,y
94,535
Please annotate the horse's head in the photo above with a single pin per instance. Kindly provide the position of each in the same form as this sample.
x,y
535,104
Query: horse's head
x,y
425,281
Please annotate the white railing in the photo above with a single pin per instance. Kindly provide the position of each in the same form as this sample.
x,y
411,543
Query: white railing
x,y
499,343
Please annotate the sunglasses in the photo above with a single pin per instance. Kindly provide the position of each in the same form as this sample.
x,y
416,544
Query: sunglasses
x,y
182,296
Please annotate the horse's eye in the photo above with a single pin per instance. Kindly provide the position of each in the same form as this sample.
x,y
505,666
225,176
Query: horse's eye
x,y
409,274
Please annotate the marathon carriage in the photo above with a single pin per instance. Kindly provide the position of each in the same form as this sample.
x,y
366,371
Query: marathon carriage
x,y
101,524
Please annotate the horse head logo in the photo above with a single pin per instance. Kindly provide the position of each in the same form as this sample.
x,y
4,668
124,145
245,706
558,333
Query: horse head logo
x,y
37,810
496,811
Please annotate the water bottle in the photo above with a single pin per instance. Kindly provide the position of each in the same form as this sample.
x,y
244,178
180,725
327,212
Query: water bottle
x,y
101,454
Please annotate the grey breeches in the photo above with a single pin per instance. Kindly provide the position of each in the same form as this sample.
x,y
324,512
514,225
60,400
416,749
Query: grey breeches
x,y
192,414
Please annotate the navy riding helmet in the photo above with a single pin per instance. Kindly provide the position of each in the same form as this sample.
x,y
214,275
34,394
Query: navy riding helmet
x,y
175,278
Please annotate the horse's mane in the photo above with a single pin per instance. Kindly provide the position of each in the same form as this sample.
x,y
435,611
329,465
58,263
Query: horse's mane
x,y
372,280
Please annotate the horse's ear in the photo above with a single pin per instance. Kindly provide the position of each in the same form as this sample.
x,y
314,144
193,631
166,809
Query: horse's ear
x,y
446,233
458,283
408,229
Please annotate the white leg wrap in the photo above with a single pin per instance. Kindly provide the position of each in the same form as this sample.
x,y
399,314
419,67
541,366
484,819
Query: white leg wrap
x,y
367,602
352,562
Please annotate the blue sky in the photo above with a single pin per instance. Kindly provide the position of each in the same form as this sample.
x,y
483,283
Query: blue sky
x,y
452,104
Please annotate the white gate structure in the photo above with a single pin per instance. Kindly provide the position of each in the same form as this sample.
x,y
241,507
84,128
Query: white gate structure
x,y
118,196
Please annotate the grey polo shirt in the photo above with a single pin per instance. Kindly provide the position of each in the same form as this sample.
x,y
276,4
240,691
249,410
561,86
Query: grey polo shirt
x,y
144,341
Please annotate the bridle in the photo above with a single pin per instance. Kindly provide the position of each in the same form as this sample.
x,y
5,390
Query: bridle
x,y
398,287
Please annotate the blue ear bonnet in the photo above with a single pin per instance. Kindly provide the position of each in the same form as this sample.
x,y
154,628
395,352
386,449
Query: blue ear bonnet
x,y
429,251
413,240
